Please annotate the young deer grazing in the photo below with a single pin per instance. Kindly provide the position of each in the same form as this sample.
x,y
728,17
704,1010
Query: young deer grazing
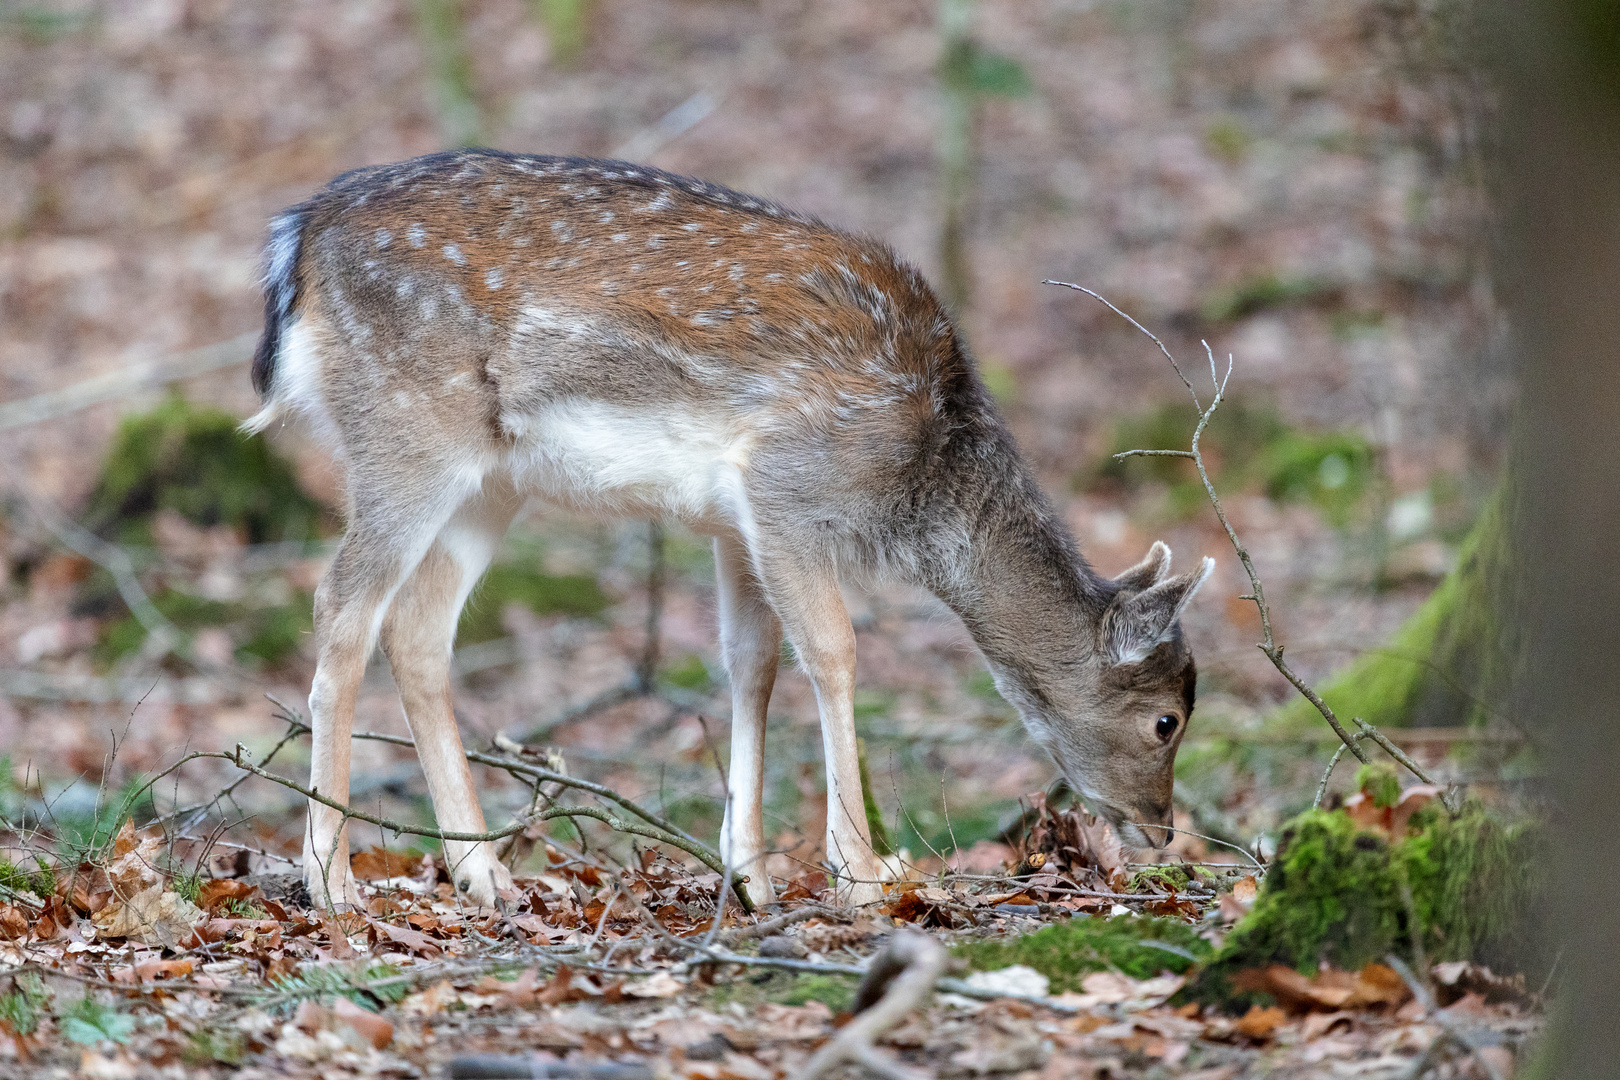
x,y
470,328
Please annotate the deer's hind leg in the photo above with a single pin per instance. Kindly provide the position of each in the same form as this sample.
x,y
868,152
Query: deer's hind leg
x,y
417,636
389,533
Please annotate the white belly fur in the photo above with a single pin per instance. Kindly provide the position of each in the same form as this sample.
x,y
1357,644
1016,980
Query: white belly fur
x,y
613,461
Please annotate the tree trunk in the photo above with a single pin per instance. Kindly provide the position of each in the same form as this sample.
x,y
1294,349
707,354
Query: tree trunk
x,y
1558,64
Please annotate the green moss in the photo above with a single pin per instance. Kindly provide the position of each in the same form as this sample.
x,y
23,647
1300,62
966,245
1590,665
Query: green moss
x,y
1138,946
1246,445
577,595
875,827
982,685
1228,139
276,633
834,991
23,1005
1337,894
1379,781
191,459
268,635
689,673
1171,877
209,1045
837,992
566,23
1265,291
41,881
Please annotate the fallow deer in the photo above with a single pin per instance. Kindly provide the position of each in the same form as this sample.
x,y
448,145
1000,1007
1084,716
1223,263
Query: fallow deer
x,y
468,329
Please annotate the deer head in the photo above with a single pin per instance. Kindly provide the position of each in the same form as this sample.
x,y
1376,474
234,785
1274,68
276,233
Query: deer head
x,y
1113,712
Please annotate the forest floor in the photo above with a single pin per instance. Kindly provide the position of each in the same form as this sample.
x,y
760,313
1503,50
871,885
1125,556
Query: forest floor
x,y
1291,182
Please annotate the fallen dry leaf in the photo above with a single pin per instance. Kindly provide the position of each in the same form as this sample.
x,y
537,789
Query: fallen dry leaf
x,y
156,916
95,1066
151,970
213,894
373,1028
379,864
1372,986
1245,890
661,985
13,922
414,940
431,1001
134,866
338,940
1259,1024
1412,800
356,1028
1459,977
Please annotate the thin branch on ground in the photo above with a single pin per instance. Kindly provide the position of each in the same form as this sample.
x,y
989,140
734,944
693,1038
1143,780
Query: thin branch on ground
x,y
1464,1038
523,769
779,923
896,982
1269,646
240,758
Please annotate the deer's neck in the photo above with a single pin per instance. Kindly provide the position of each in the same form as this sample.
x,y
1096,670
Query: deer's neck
x,y
1018,582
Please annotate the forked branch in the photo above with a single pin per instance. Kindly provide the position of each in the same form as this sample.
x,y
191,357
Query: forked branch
x,y
1257,593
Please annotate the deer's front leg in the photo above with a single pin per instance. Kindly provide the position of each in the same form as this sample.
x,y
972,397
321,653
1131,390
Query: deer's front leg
x,y
812,610
751,647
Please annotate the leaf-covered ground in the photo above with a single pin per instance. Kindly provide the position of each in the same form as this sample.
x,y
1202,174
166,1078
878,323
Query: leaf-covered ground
x,y
1064,965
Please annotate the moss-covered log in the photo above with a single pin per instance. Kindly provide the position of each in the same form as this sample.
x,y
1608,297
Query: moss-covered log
x,y
1344,895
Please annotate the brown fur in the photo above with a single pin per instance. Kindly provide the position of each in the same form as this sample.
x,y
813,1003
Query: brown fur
x,y
469,328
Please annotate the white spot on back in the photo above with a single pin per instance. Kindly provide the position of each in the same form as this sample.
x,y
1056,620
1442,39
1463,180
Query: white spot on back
x,y
416,235
494,278
383,237
453,253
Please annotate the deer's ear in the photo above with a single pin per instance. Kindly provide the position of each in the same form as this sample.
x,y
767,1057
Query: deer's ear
x,y
1135,625
1149,572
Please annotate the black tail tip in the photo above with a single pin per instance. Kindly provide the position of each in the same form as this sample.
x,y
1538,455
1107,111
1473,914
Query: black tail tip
x,y
264,357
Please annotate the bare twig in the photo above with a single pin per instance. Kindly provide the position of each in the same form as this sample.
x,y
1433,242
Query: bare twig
x,y
1245,852
1139,326
239,757
1327,773
896,982
780,922
1269,645
521,768
1454,1031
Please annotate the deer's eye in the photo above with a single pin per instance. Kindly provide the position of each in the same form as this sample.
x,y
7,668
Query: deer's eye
x,y
1166,727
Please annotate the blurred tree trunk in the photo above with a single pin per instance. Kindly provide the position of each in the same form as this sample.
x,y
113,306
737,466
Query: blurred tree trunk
x,y
1558,69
